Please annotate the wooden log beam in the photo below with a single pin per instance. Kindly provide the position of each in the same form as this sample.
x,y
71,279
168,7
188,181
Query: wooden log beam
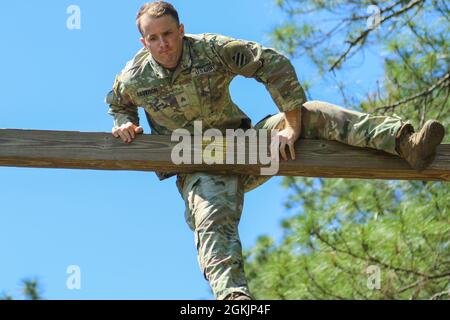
x,y
101,151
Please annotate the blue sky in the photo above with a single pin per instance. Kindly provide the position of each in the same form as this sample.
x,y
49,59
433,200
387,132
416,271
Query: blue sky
x,y
125,230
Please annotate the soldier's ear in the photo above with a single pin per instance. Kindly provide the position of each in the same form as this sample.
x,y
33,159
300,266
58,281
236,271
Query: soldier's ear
x,y
181,29
142,41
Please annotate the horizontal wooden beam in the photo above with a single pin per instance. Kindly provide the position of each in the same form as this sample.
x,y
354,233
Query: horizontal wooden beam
x,y
101,151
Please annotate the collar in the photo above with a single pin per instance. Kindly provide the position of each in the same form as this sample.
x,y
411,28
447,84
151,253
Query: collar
x,y
186,60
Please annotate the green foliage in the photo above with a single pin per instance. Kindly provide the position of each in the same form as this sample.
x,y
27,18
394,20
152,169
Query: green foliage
x,y
339,227
343,226
31,290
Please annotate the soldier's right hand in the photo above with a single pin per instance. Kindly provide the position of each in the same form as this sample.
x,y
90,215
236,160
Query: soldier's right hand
x,y
127,132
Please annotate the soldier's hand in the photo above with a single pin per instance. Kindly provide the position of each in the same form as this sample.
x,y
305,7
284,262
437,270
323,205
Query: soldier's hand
x,y
287,138
127,132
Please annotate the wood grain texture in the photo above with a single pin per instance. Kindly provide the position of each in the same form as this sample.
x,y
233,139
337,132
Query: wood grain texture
x,y
102,151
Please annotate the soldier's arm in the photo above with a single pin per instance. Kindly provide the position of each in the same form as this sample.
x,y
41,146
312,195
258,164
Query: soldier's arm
x,y
276,72
266,65
124,112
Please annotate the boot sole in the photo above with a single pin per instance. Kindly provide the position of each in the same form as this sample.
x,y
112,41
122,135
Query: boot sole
x,y
422,165
437,132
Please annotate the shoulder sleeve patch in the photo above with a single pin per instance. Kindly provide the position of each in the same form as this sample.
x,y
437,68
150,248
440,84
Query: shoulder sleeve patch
x,y
242,57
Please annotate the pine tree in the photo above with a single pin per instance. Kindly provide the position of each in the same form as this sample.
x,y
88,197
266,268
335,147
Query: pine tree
x,y
365,239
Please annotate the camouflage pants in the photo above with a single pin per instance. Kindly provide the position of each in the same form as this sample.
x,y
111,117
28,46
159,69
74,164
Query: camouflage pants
x,y
214,202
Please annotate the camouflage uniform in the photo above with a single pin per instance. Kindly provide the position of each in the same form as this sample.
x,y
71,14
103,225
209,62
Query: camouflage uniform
x,y
198,89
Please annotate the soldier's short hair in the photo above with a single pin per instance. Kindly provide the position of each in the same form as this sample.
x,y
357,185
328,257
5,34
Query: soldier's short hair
x,y
156,9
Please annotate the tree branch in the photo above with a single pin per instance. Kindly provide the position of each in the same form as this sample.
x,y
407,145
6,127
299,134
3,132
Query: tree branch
x,y
419,282
366,32
370,258
441,82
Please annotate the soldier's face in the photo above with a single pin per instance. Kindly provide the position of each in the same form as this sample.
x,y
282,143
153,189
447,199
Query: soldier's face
x,y
163,38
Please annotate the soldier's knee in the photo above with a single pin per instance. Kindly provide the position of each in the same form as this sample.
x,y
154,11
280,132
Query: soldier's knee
x,y
215,200
310,104
317,105
220,215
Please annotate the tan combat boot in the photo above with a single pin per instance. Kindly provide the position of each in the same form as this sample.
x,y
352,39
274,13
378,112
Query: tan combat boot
x,y
419,148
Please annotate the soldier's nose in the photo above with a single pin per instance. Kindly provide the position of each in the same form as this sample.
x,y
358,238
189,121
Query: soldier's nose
x,y
162,43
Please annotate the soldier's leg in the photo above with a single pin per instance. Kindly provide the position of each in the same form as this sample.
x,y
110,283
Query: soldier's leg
x,y
213,211
323,120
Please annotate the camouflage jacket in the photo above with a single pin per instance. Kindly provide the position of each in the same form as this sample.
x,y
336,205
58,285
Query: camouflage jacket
x,y
198,89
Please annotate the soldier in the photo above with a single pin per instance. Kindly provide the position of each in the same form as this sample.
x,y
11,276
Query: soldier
x,y
179,78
